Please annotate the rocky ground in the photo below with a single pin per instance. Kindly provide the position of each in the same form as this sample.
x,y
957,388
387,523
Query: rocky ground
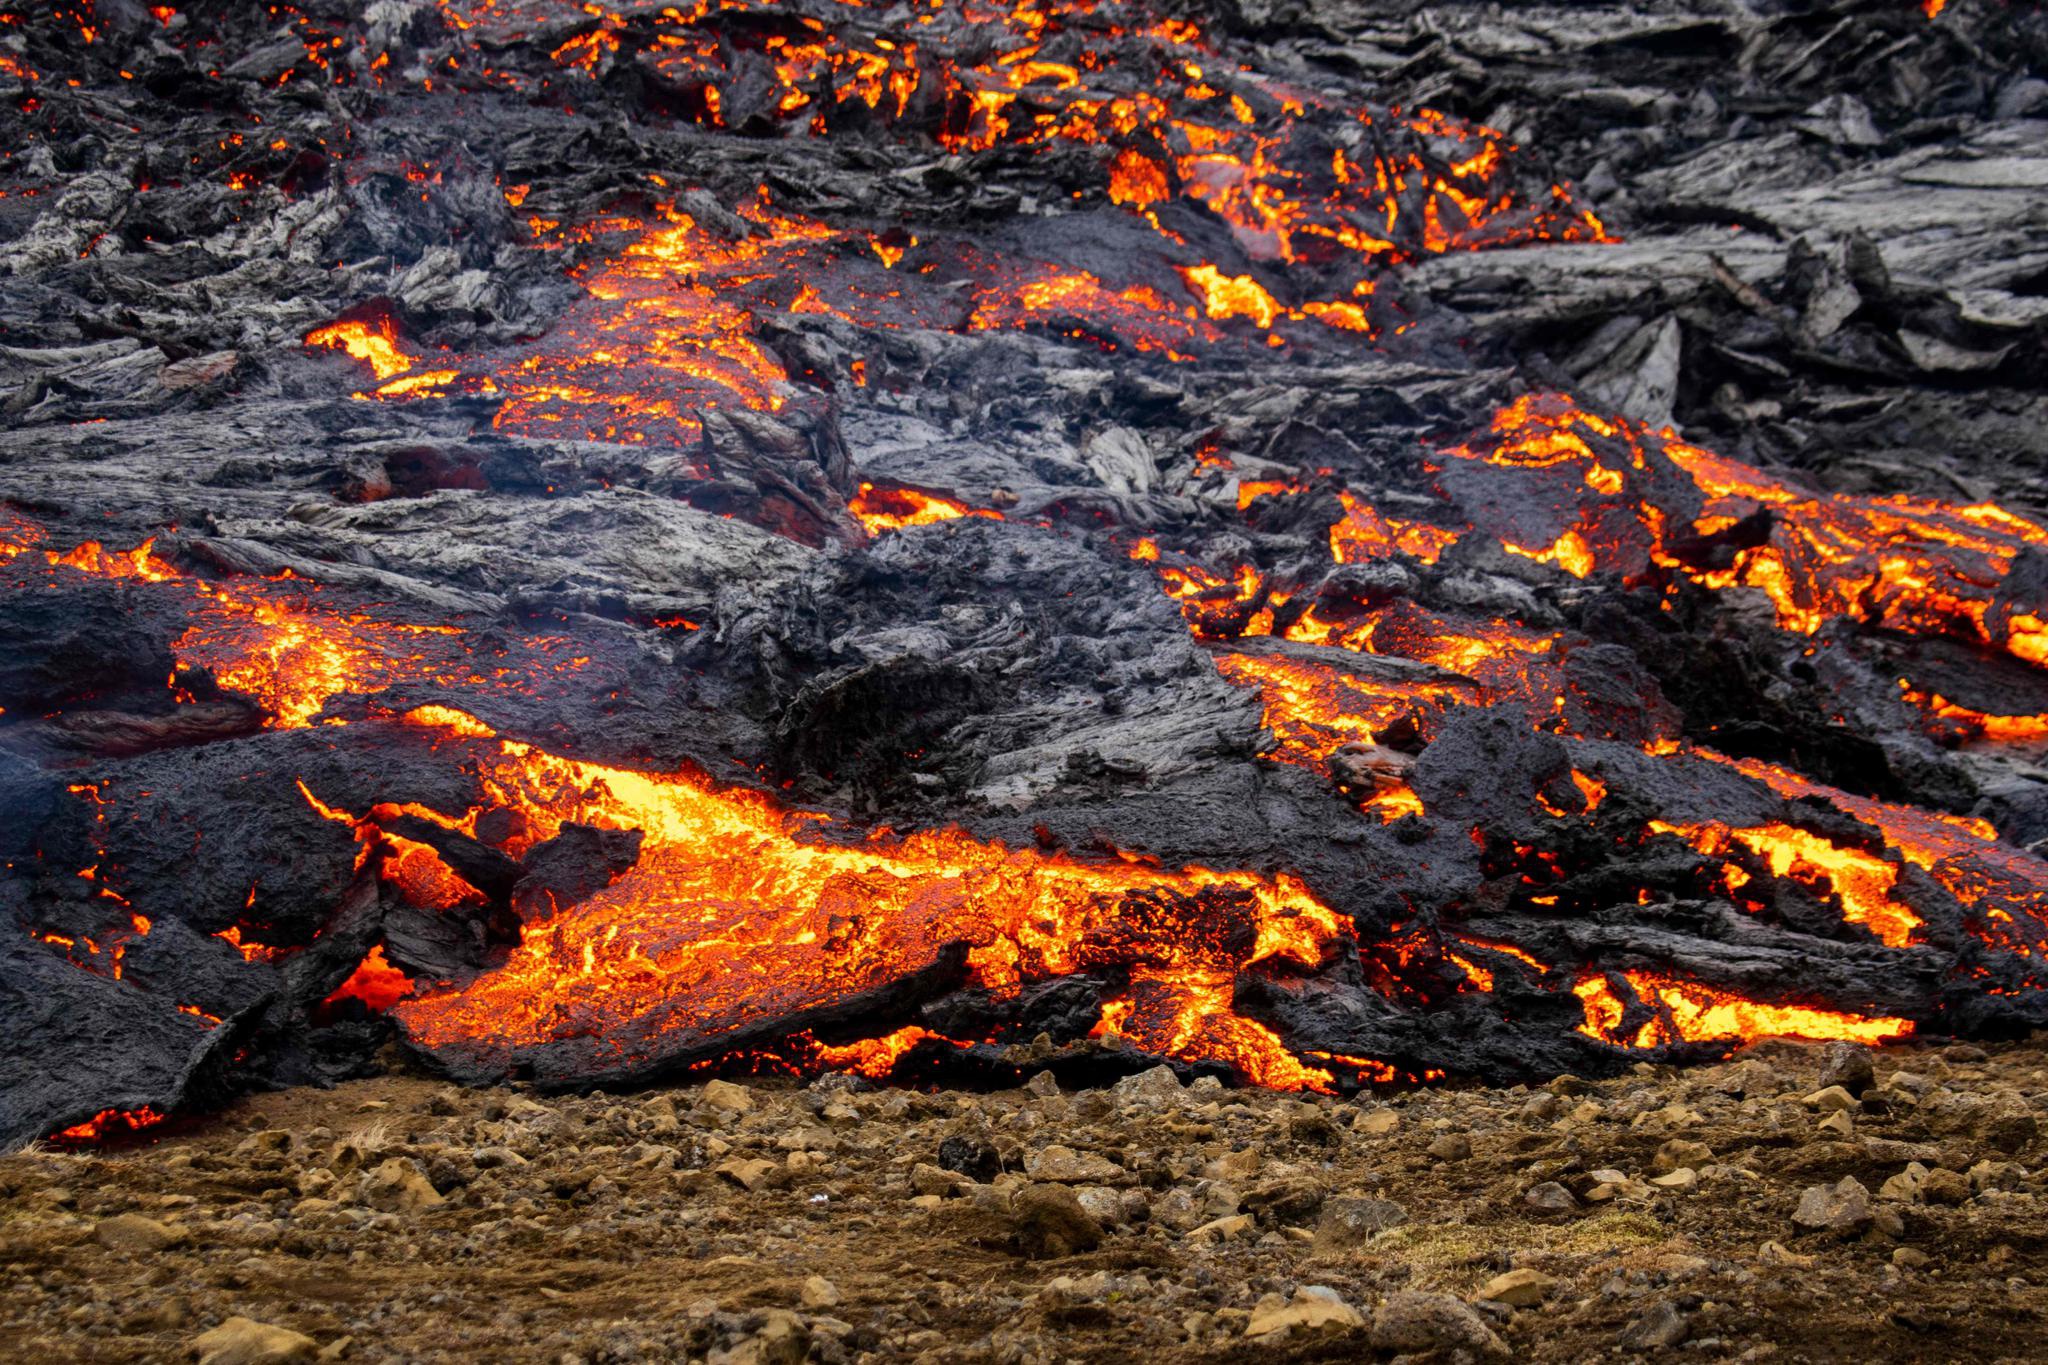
x,y
1797,1203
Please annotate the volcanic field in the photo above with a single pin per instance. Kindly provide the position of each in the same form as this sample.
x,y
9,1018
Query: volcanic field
x,y
640,585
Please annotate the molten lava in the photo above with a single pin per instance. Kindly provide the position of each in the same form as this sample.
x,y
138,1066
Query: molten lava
x,y
1593,495
875,1058
892,509
373,341
1601,494
669,327
1682,1011
276,642
1185,119
1366,533
110,1123
2004,888
739,912
1188,209
1861,883
677,303
376,983
1313,710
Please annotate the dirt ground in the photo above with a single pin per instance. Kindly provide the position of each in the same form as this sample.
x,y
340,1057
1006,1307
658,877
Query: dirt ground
x,y
1743,1211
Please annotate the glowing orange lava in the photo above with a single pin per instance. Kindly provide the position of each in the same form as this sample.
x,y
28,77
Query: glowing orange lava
x,y
1366,533
733,911
1614,496
273,641
1601,475
1861,883
1016,295
875,1057
110,1123
892,509
2004,888
1314,709
373,341
667,329
669,303
1183,121
375,982
1690,1012
1973,723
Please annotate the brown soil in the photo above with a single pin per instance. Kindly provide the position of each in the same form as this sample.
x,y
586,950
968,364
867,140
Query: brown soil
x,y
400,1219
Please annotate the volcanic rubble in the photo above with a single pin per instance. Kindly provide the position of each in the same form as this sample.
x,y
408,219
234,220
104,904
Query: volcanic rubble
x,y
1803,1202
1356,550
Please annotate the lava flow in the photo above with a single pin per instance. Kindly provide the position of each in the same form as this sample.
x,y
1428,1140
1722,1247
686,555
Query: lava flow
x,y
1593,495
1180,136
670,325
603,541
680,944
1914,567
1666,1010
1187,116
732,919
275,642
892,509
